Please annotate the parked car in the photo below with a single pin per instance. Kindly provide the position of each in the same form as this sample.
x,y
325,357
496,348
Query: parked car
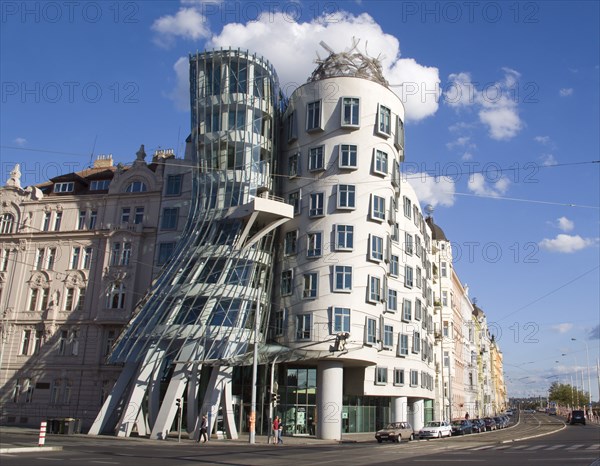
x,y
395,432
500,424
490,424
478,425
577,417
462,427
436,429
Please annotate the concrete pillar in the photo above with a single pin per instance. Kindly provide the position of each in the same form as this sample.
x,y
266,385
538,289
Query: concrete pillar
x,y
416,414
330,381
399,409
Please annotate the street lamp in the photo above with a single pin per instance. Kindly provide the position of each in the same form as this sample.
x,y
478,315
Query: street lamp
x,y
587,354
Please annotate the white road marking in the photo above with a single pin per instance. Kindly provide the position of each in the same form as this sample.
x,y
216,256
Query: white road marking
x,y
535,447
574,447
555,447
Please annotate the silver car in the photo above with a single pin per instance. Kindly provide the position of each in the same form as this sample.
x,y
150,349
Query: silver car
x,y
436,429
395,432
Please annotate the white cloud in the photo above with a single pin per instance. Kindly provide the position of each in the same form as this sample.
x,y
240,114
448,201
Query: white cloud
x,y
467,156
292,48
548,160
545,140
562,328
497,109
460,126
463,141
180,95
477,184
432,190
566,243
566,91
187,23
565,224
20,141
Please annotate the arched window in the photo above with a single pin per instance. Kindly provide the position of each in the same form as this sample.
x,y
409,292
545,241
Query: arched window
x,y
6,223
136,187
116,296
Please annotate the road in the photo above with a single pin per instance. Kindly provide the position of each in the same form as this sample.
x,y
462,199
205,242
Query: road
x,y
573,445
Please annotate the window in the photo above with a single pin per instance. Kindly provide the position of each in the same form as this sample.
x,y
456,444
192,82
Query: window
x,y
27,334
398,376
87,258
291,127
399,140
238,77
4,259
348,156
388,336
139,216
126,255
377,208
446,329
416,343
115,256
50,258
406,310
33,298
371,331
344,237
99,185
408,276
136,187
444,269
341,319
46,222
414,378
81,221
169,218
376,250
294,165
407,207
57,221
384,120
125,214
394,265
303,327
381,375
316,207
403,345
310,285
116,296
314,244
75,257
316,158
286,282
290,243
342,278
418,309
350,111
374,289
212,121
80,300
446,359
109,339
237,119
39,258
69,299
408,244
64,187
6,223
54,394
346,196
392,301
294,199
313,116
93,217
62,342
418,246
380,163
444,298
279,322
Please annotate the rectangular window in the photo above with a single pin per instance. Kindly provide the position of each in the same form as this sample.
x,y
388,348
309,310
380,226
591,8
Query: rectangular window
x,y
344,237
376,250
371,331
294,199
408,276
398,376
238,77
57,221
341,319
381,375
303,327
70,296
350,111
279,324
26,341
418,309
33,297
109,340
87,258
75,257
444,298
407,207
169,218
294,165
125,214
317,205
64,187
45,296
292,133
310,285
444,269
418,278
392,301
394,265
316,158
138,219
346,198
414,378
93,218
384,123
314,244
126,256
115,254
46,222
377,208
212,121
237,119
348,156
408,244
62,342
418,246
380,163
313,116
37,343
80,300
99,185
286,282
4,260
374,289
342,278
50,258
446,359
290,244
388,336
399,139
403,345
406,310
416,343
81,220
446,329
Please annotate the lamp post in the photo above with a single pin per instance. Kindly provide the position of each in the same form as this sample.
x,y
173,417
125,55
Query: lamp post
x,y
587,354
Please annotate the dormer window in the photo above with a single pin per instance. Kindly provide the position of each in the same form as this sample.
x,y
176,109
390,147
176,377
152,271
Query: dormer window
x,y
136,187
64,187
99,185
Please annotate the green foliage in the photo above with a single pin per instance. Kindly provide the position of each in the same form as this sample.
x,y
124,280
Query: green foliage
x,y
567,395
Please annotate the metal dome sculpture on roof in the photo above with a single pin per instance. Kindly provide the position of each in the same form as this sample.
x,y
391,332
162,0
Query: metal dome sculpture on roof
x,y
349,63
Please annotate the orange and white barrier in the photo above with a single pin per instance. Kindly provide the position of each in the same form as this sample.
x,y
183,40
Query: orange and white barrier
x,y
42,439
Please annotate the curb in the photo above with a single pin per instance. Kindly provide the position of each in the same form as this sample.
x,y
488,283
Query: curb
x,y
28,449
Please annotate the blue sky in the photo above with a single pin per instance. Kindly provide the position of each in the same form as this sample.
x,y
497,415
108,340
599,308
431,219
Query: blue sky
x,y
502,105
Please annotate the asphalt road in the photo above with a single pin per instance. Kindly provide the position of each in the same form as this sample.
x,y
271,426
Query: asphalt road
x,y
573,445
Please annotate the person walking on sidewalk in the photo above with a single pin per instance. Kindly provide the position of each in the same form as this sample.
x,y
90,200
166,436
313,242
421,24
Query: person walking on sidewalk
x,y
276,424
203,430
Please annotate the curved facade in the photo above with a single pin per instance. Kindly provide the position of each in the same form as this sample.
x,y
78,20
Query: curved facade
x,y
354,282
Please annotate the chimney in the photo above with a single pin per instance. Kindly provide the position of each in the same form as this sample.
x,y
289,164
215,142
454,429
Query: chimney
x,y
103,161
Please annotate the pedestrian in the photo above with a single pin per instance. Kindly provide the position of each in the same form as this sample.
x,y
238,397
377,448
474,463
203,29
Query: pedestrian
x,y
203,429
276,424
280,435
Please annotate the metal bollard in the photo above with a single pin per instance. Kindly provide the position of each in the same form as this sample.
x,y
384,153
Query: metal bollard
x,y
42,438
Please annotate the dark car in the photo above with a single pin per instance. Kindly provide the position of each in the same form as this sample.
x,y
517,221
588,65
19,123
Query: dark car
x,y
490,424
478,425
577,417
462,427
499,422
395,432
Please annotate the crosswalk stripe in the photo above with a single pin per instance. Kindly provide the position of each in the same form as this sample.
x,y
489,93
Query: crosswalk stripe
x,y
485,447
520,446
535,447
555,447
593,447
574,447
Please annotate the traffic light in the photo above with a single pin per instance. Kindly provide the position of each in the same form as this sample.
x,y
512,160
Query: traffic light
x,y
178,403
275,398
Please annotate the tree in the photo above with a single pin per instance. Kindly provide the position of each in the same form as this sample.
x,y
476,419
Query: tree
x,y
566,395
